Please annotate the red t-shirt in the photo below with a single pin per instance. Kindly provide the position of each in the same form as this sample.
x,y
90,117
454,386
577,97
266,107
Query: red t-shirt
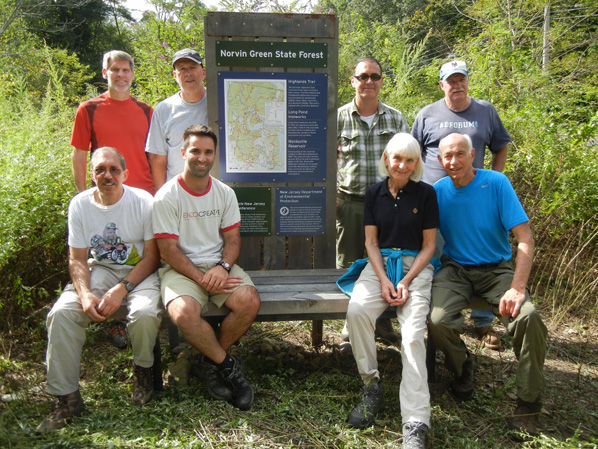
x,y
104,122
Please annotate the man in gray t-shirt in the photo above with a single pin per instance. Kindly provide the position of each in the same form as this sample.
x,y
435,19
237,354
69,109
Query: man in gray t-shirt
x,y
459,113
175,114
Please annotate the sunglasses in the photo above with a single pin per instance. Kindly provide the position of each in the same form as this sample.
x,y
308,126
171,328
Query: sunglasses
x,y
365,77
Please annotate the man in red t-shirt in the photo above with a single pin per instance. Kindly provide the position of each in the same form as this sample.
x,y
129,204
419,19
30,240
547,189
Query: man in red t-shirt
x,y
114,119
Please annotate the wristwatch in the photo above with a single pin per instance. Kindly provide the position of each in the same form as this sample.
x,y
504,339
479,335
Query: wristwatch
x,y
128,285
224,265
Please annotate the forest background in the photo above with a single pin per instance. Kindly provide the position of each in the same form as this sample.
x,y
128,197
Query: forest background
x,y
535,61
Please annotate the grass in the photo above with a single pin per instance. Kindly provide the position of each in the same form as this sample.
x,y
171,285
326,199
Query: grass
x,y
303,397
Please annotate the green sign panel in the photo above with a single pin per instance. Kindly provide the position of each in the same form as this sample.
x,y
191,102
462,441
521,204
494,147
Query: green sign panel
x,y
307,55
255,204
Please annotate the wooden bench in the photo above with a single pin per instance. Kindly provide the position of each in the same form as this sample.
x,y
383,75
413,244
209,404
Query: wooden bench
x,y
292,295
286,295
289,295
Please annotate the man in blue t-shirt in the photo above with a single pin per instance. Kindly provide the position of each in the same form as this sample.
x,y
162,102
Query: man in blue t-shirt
x,y
478,208
458,112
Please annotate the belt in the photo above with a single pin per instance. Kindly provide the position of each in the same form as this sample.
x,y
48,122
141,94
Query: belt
x,y
350,197
484,266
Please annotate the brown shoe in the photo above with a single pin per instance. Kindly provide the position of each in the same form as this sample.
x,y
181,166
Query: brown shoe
x,y
489,337
143,385
463,387
385,332
524,420
68,406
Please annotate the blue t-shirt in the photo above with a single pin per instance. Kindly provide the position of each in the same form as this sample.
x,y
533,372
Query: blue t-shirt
x,y
475,220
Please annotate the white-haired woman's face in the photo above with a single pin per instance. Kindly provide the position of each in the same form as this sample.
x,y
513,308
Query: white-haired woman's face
x,y
400,167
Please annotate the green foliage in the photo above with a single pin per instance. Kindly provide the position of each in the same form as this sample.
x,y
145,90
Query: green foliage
x,y
35,185
157,38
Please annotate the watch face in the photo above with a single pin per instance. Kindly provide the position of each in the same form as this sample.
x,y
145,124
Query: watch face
x,y
128,285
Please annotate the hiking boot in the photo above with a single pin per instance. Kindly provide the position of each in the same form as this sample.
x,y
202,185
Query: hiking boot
x,y
414,435
68,406
372,403
217,386
524,420
242,396
462,387
489,337
385,332
118,332
143,385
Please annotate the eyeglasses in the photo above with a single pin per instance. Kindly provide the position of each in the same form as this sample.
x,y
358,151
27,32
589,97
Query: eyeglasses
x,y
365,77
113,171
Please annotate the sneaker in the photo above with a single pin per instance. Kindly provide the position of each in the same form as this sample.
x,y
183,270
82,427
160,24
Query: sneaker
x,y
118,332
414,435
462,387
68,406
345,332
524,421
372,403
242,397
217,387
143,385
489,337
385,332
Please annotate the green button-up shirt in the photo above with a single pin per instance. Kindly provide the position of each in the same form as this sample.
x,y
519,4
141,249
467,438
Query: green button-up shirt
x,y
360,147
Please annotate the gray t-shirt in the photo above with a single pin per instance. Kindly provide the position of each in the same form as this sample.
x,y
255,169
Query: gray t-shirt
x,y
171,118
480,121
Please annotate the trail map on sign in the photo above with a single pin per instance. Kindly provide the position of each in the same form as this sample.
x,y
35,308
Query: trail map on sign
x,y
256,125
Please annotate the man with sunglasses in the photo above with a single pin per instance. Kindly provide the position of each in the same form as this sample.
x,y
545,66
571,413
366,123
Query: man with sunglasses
x,y
365,125
112,224
175,114
458,112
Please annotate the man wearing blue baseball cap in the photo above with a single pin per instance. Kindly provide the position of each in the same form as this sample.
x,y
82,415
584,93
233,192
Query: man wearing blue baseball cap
x,y
458,112
175,114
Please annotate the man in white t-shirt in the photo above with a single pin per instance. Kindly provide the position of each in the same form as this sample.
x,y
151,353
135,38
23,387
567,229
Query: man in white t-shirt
x,y
112,223
175,114
197,226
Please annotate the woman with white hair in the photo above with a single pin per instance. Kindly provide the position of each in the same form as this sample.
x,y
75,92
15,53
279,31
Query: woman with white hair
x,y
400,218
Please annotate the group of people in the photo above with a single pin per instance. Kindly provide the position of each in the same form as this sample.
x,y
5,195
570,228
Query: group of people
x,y
395,191
155,227
119,232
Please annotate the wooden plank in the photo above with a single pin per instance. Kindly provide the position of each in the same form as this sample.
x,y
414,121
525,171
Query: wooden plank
x,y
299,252
250,256
272,25
274,253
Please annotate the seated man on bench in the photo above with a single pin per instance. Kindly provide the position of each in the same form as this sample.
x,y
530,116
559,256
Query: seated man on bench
x,y
113,223
477,209
196,224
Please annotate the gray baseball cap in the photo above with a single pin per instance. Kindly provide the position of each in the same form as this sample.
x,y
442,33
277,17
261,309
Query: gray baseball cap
x,y
453,67
187,53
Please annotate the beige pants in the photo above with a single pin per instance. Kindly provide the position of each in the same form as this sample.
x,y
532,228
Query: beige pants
x,y
66,324
365,306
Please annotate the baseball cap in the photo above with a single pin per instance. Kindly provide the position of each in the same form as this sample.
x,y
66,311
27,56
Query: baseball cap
x,y
187,53
452,67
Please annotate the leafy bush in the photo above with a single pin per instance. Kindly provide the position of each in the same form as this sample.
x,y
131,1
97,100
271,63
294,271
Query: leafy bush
x,y
35,187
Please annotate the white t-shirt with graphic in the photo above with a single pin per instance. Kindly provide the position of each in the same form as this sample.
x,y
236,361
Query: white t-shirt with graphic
x,y
114,234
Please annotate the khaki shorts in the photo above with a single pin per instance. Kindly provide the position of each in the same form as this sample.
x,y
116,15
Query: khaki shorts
x,y
175,285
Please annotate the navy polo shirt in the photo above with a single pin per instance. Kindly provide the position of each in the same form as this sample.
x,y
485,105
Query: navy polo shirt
x,y
401,220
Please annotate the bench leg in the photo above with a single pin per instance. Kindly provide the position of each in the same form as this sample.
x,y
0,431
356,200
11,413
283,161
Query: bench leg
x,y
317,331
431,358
157,368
